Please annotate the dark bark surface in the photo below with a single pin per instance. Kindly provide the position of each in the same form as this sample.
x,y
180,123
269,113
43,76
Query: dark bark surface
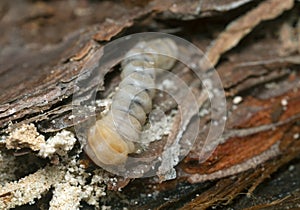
x,y
255,48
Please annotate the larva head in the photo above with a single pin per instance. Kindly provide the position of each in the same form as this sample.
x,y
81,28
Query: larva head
x,y
105,145
171,50
156,53
167,52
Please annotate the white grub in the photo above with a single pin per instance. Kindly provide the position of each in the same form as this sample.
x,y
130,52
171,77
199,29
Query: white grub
x,y
138,69
237,100
7,167
60,144
25,136
28,188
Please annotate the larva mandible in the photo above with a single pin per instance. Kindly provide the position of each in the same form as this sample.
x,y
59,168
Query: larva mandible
x,y
111,139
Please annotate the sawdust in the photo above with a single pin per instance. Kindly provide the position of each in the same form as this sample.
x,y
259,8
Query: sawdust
x,y
25,136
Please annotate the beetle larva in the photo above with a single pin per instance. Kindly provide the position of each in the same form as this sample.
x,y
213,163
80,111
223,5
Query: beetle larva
x,y
111,139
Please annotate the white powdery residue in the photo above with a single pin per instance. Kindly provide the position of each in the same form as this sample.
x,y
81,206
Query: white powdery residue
x,y
60,144
106,103
96,189
291,168
91,109
76,176
271,85
2,139
203,112
169,160
27,189
93,195
71,117
91,185
158,129
71,179
284,102
103,103
105,207
25,136
11,111
65,196
168,85
208,85
237,100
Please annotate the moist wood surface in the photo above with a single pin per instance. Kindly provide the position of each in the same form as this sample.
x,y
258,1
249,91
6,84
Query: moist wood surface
x,y
255,48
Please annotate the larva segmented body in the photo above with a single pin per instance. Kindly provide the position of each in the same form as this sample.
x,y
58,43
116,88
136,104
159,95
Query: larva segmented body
x,y
111,139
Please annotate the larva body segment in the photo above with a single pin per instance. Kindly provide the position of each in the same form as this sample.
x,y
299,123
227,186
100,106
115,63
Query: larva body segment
x,y
105,145
111,139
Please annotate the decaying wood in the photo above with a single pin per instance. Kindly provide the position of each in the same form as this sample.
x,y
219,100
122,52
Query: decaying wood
x,y
45,46
192,9
227,189
236,30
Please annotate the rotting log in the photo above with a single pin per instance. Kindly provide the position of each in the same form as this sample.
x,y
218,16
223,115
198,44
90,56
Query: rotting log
x,y
255,48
